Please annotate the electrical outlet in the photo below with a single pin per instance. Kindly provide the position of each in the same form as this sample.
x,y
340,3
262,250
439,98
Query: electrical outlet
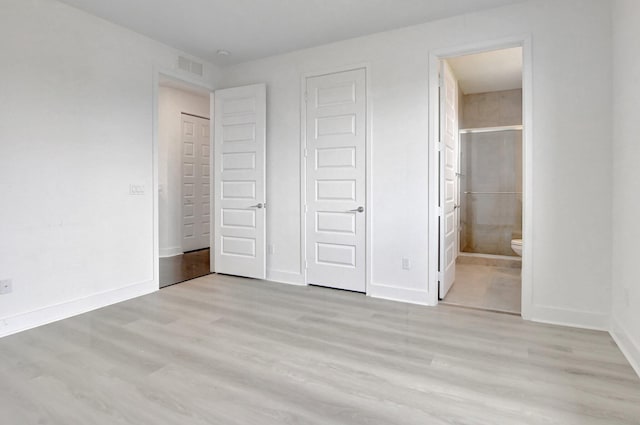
x,y
6,286
136,189
406,264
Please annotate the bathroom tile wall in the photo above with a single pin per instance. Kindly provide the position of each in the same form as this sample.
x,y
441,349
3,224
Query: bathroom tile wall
x,y
493,109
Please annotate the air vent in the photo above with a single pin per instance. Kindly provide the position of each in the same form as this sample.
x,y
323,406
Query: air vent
x,y
184,64
190,66
197,68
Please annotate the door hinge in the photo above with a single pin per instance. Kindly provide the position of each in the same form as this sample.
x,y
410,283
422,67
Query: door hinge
x,y
439,211
440,81
305,152
306,265
440,276
306,209
439,146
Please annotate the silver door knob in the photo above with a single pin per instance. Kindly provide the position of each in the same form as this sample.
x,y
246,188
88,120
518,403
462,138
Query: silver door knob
x,y
258,206
359,209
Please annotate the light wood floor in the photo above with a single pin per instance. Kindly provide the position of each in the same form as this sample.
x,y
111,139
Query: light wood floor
x,y
223,350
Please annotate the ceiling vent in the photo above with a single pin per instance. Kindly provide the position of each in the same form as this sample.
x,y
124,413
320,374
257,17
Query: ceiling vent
x,y
190,66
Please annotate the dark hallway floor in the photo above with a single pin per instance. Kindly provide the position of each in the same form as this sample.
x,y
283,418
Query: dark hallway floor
x,y
184,267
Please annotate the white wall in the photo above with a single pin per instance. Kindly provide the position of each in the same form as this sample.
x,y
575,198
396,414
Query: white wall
x,y
76,120
76,130
626,178
172,102
571,155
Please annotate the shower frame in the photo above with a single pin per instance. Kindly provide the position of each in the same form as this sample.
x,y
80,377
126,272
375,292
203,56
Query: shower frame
x,y
480,130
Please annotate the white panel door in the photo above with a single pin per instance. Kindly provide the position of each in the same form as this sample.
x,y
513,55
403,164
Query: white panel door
x,y
240,195
336,185
448,178
196,176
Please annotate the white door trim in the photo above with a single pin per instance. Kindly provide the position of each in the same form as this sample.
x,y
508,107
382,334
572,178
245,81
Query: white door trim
x,y
303,166
158,72
435,56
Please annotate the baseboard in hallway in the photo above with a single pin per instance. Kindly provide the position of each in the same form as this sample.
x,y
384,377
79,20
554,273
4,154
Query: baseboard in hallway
x,y
187,266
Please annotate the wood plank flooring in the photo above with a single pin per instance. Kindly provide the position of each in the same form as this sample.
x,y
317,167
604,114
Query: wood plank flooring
x,y
232,351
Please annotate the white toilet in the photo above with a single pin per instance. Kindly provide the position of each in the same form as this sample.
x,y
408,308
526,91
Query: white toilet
x,y
516,245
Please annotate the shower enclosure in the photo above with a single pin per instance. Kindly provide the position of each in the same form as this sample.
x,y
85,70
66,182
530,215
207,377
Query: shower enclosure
x,y
490,190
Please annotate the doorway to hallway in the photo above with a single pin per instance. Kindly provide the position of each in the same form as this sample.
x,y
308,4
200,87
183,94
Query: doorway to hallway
x,y
183,267
184,174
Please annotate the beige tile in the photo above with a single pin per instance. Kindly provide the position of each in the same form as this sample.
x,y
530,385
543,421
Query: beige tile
x,y
486,287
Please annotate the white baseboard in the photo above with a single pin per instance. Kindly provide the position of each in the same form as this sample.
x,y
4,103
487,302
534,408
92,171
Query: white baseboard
x,y
573,318
23,321
170,252
629,346
393,293
290,278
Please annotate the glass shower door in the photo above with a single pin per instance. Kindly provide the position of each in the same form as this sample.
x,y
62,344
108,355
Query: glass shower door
x,y
490,190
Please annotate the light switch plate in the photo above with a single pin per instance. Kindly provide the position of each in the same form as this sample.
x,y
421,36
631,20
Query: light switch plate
x,y
136,189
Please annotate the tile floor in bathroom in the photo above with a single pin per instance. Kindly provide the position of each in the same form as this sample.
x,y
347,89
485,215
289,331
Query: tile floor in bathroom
x,y
488,285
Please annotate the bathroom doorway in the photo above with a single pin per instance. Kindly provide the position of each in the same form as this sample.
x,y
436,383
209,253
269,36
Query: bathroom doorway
x,y
481,180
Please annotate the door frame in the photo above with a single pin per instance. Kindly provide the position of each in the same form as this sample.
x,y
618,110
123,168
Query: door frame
x,y
435,56
368,171
204,86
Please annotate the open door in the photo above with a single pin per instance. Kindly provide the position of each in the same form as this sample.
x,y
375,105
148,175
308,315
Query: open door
x,y
448,179
240,191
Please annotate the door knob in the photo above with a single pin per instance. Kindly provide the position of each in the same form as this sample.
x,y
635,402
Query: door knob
x,y
359,209
258,206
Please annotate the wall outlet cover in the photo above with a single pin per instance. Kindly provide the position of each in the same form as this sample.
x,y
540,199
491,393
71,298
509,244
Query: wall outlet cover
x,y
6,286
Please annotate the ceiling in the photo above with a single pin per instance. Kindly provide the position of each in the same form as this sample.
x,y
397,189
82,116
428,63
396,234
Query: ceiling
x,y
252,29
496,70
